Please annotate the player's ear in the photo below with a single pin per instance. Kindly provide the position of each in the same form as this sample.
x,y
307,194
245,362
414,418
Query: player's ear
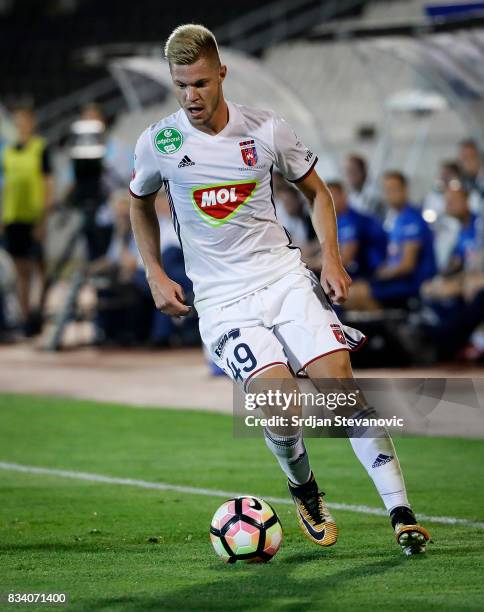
x,y
222,72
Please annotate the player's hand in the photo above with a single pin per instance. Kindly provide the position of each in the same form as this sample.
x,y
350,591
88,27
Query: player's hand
x,y
168,295
335,280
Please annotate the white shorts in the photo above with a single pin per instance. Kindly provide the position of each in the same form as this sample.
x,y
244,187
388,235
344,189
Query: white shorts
x,y
290,322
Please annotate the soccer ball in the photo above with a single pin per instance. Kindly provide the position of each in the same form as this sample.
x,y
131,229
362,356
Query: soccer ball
x,y
246,529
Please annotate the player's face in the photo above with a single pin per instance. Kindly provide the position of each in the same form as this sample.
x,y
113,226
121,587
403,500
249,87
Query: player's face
x,y
198,89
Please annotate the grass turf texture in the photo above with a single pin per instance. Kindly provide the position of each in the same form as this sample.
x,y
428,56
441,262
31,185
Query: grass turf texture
x,y
91,540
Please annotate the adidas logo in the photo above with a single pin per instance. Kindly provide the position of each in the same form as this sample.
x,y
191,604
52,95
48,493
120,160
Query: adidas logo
x,y
381,460
298,459
186,161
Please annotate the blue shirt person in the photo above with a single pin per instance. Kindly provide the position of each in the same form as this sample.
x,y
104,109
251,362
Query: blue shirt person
x,y
361,237
465,246
367,232
410,254
466,240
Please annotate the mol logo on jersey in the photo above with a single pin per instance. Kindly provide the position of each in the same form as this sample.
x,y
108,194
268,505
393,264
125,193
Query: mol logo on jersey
x,y
216,204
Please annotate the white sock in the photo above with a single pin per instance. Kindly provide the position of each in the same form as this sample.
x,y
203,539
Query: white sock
x,y
291,454
375,449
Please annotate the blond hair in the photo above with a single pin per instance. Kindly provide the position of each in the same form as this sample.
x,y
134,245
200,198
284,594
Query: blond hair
x,y
187,43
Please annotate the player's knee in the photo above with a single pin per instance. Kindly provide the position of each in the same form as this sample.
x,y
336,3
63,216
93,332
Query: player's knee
x,y
335,365
278,371
277,395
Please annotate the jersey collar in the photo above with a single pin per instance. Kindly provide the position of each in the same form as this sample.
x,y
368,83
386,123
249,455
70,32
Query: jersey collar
x,y
211,137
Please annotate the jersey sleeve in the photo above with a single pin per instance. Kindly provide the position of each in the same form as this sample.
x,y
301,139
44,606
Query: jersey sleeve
x,y
146,178
294,160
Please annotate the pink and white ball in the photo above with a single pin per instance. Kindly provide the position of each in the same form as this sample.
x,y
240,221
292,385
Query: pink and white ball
x,y
246,529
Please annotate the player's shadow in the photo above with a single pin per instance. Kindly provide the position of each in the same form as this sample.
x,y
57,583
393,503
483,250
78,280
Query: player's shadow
x,y
267,587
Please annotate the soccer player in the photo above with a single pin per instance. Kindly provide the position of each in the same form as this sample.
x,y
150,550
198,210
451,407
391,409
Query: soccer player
x,y
263,315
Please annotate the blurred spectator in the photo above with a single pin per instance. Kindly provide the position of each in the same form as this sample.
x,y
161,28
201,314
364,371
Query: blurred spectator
x,y
290,212
457,201
293,213
27,199
121,315
126,311
452,315
454,301
472,167
443,294
362,193
449,284
3,144
9,309
410,257
90,191
121,252
445,227
118,159
435,200
361,238
113,175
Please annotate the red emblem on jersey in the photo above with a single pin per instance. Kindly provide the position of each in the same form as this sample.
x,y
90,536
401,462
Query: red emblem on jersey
x,y
216,204
338,333
249,152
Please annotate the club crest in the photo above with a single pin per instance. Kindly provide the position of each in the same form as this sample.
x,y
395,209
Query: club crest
x,y
338,333
249,152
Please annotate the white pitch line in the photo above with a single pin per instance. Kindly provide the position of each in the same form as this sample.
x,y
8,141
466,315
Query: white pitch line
x,y
163,486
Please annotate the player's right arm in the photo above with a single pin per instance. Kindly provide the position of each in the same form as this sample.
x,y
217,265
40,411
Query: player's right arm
x,y
167,294
144,186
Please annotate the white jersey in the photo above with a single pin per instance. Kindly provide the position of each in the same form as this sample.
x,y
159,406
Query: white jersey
x,y
220,193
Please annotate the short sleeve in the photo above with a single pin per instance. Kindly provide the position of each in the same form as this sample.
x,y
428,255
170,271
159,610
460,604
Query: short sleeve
x,y
294,160
146,178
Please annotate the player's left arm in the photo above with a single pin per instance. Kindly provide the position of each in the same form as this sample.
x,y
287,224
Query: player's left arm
x,y
334,278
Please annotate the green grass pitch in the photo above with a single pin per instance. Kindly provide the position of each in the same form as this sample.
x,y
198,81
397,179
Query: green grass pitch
x,y
91,540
